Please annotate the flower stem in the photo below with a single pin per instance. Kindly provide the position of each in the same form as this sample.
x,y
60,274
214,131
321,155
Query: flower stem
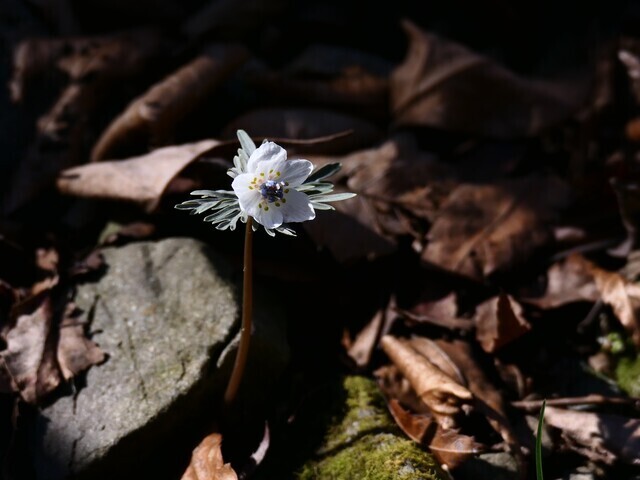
x,y
247,307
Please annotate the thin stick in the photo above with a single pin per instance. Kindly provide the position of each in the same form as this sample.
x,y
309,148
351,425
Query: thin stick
x,y
593,399
247,307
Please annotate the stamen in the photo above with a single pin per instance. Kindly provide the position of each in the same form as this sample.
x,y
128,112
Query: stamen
x,y
271,191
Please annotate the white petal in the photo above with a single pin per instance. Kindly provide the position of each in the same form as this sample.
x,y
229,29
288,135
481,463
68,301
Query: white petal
x,y
270,216
294,172
248,195
268,151
297,207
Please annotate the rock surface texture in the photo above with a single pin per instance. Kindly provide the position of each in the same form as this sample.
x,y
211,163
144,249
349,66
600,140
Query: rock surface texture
x,y
166,313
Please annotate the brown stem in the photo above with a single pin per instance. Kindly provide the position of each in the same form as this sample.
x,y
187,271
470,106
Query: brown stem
x,y
247,307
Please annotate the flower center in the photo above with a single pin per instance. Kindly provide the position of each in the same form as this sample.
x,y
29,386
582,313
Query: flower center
x,y
272,191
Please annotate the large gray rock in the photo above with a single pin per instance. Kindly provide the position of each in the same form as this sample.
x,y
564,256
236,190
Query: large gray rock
x,y
166,313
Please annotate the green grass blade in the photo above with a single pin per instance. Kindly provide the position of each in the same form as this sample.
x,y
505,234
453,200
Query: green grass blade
x,y
539,443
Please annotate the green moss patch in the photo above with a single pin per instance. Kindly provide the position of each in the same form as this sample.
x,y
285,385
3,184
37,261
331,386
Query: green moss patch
x,y
345,432
628,375
382,456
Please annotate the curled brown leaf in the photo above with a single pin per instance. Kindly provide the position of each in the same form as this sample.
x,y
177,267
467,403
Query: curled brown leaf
x,y
153,116
207,463
450,447
443,395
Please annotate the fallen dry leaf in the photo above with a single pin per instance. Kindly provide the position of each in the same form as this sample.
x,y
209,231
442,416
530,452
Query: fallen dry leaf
x,y
306,123
598,436
448,446
30,357
93,262
578,279
76,353
631,60
330,76
444,85
499,321
367,339
207,463
416,426
623,297
151,119
8,297
438,357
121,234
94,68
442,312
140,180
567,281
394,385
626,190
483,229
359,234
85,59
452,448
389,201
443,395
488,399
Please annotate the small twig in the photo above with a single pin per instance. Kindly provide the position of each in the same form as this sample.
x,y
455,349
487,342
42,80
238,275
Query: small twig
x,y
247,308
585,248
533,405
591,316
449,323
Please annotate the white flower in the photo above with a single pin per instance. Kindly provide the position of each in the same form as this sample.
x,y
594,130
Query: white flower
x,y
267,191
269,188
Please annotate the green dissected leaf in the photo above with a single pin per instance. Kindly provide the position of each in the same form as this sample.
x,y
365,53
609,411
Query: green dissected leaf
x,y
324,172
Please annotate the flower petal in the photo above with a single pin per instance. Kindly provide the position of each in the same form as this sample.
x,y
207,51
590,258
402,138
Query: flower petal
x,y
268,151
297,207
269,216
249,196
294,172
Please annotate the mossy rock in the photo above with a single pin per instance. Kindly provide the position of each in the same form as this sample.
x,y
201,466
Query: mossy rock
x,y
628,375
346,433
